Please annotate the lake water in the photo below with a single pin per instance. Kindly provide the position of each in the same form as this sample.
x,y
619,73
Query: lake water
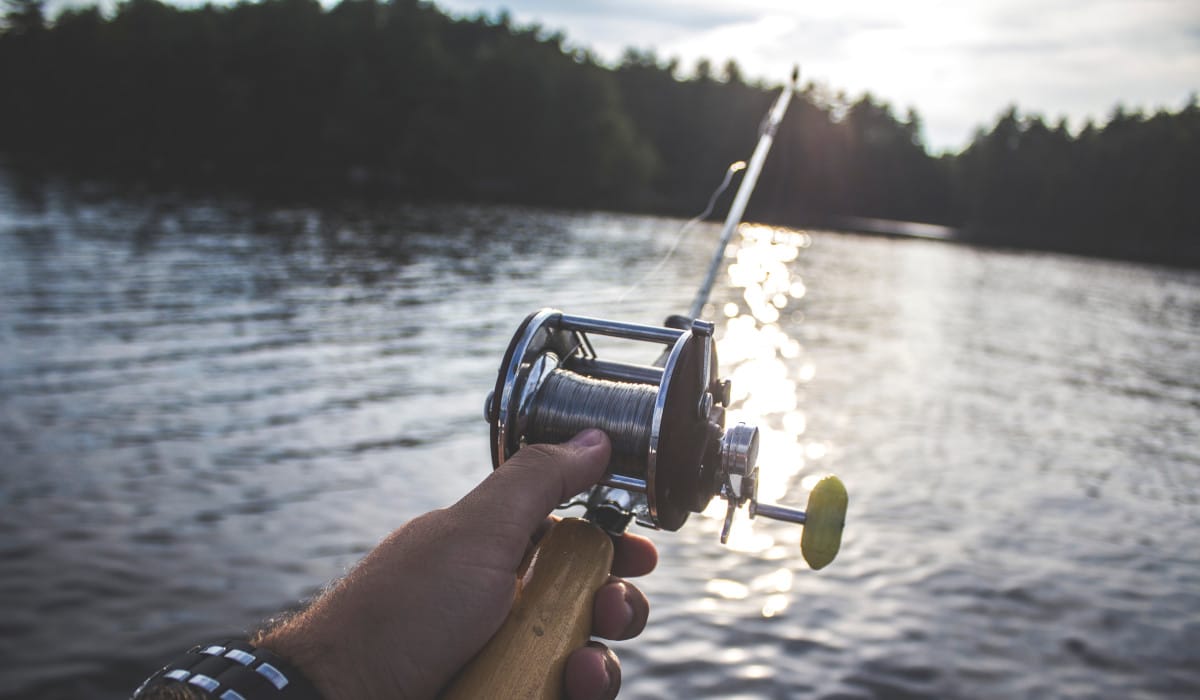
x,y
210,408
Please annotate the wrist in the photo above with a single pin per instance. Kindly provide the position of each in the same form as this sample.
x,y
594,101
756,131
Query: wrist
x,y
327,664
231,670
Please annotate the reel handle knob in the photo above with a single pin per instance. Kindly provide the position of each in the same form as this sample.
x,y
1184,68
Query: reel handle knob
x,y
826,517
823,521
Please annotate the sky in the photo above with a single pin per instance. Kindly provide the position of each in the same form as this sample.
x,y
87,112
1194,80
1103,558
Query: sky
x,y
958,63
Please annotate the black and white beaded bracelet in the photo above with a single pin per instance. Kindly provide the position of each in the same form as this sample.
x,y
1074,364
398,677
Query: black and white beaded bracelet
x,y
235,670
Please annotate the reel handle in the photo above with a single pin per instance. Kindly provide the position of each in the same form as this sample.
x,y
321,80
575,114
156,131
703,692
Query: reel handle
x,y
551,617
823,520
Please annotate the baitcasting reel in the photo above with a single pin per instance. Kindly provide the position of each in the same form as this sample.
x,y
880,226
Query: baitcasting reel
x,y
671,451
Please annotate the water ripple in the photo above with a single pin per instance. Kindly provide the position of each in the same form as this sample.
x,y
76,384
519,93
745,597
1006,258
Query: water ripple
x,y
203,421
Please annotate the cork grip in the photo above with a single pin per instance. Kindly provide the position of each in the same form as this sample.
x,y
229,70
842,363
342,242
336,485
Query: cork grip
x,y
550,618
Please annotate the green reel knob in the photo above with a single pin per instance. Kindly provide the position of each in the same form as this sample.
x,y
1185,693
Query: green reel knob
x,y
823,521
825,518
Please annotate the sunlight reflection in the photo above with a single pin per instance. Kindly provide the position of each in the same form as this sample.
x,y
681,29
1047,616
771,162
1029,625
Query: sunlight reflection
x,y
756,671
742,537
778,552
767,369
795,423
809,482
778,581
727,589
775,604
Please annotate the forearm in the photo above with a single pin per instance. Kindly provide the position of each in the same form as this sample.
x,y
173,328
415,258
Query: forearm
x,y
174,691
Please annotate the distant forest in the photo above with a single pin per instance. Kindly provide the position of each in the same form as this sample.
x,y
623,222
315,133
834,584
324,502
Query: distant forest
x,y
397,98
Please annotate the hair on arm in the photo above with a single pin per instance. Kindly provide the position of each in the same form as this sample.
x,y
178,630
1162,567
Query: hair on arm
x,y
173,691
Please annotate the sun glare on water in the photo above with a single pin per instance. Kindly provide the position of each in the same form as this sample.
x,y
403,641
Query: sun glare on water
x,y
767,369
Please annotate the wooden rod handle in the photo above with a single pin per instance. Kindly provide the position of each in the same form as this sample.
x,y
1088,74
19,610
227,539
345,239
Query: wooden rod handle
x,y
550,618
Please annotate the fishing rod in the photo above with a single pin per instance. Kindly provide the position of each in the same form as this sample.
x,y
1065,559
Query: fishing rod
x,y
765,139
672,454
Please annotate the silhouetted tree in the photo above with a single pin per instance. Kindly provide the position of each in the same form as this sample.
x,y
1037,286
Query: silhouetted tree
x,y
24,16
294,96
731,73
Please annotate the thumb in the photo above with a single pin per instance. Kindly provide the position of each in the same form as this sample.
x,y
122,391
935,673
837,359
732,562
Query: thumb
x,y
524,489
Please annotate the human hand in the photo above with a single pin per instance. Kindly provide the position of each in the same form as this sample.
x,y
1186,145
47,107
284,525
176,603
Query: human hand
x,y
423,602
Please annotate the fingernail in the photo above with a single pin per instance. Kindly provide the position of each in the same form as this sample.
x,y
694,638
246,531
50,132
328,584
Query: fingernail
x,y
588,438
612,668
612,671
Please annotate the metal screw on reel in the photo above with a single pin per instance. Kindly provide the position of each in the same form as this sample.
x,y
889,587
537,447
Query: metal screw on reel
x,y
671,451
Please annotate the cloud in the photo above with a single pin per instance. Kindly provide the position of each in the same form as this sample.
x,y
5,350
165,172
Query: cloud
x,y
682,16
958,64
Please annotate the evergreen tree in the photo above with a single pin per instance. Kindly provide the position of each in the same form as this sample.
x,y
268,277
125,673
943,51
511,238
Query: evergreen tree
x,y
393,94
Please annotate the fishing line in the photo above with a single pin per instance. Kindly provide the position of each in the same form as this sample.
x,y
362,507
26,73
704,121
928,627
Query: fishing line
x,y
569,402
734,168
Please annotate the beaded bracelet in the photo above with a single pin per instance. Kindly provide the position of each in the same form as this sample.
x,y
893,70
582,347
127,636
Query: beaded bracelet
x,y
235,670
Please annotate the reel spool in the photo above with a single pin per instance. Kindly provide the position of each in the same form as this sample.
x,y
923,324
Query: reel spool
x,y
671,452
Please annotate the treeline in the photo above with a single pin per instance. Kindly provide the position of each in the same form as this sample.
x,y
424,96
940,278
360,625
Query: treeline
x,y
1128,189
285,96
